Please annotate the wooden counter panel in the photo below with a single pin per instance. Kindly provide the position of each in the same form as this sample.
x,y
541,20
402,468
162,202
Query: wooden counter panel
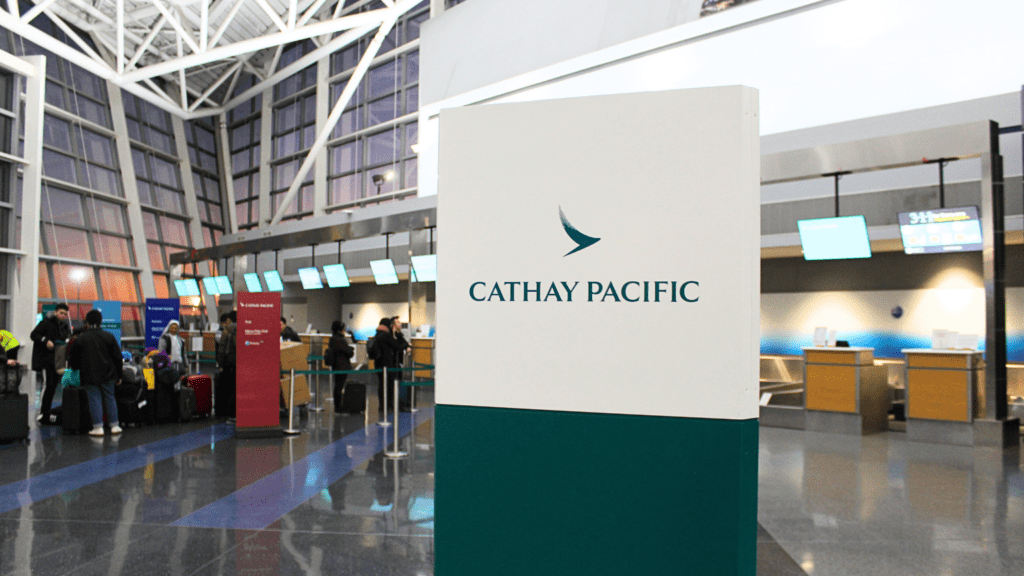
x,y
956,361
938,394
831,388
819,357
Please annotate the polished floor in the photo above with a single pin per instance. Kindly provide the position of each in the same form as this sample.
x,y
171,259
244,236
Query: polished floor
x,y
191,498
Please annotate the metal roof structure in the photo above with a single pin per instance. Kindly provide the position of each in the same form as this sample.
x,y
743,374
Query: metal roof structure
x,y
185,56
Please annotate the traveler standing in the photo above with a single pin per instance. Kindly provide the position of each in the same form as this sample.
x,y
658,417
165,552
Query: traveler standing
x,y
382,352
11,347
51,331
342,360
226,360
97,357
287,333
172,345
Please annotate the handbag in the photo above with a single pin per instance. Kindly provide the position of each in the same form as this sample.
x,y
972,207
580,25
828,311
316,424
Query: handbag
x,y
71,378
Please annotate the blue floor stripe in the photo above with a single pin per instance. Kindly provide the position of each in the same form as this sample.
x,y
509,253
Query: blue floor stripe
x,y
259,504
26,492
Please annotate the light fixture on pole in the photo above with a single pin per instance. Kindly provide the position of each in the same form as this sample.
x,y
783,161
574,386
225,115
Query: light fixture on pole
x,y
380,179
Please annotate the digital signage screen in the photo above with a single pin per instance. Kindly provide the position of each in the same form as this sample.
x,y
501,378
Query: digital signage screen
x,y
273,279
424,268
187,287
211,285
223,284
310,278
834,238
337,276
384,271
252,282
941,230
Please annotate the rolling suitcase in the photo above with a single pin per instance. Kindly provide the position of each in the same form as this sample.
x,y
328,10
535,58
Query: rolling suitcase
x,y
353,398
10,379
186,404
13,417
166,395
74,413
202,385
131,399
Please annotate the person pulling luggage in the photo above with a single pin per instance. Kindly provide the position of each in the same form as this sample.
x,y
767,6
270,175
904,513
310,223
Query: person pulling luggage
x,y
97,357
51,331
339,352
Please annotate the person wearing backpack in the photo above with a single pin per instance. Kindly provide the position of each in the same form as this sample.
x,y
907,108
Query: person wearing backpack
x,y
97,356
339,357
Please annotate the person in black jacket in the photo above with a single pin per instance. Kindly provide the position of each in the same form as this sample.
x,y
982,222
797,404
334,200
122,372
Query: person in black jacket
x,y
97,357
342,360
45,337
403,392
226,383
287,333
384,350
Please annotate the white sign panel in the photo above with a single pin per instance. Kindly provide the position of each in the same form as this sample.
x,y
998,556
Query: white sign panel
x,y
577,229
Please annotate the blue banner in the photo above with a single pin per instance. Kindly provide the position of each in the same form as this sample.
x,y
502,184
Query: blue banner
x,y
111,311
159,312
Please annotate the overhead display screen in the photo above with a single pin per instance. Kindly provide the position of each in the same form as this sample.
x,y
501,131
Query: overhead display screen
x,y
384,271
210,283
424,268
252,282
187,287
337,276
223,284
941,230
835,238
273,279
310,278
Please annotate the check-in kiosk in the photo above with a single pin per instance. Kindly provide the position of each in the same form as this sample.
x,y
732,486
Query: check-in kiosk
x,y
845,392
943,395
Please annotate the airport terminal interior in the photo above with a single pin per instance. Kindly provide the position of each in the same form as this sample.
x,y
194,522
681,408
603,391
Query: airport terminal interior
x,y
179,160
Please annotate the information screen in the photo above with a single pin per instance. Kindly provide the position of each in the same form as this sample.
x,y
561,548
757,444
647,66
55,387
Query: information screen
x,y
273,280
187,287
337,276
223,284
210,283
941,230
384,271
310,278
424,268
252,282
834,238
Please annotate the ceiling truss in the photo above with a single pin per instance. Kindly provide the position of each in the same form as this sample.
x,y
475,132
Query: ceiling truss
x,y
186,56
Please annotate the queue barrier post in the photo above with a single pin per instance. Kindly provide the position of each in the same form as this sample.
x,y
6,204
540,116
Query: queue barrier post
x,y
394,452
318,403
384,399
291,431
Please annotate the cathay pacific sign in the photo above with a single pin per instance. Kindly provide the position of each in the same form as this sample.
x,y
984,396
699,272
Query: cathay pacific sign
x,y
590,291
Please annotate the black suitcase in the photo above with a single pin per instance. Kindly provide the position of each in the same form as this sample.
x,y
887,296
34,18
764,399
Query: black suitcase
x,y
74,413
10,379
353,398
186,404
13,417
131,400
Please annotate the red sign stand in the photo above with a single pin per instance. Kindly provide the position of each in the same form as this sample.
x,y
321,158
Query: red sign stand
x,y
258,352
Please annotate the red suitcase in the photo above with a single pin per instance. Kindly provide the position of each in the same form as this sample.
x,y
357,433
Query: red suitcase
x,y
203,387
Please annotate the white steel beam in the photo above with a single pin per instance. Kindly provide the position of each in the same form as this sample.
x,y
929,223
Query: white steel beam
x,y
177,28
224,25
227,196
254,44
146,43
274,17
310,12
293,9
74,37
213,87
204,24
17,65
35,11
119,31
339,108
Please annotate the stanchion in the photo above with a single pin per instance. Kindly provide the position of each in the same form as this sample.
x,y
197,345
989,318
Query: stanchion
x,y
384,399
394,452
412,390
291,431
317,400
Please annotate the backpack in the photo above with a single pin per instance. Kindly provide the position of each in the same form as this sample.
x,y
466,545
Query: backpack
x,y
371,349
330,356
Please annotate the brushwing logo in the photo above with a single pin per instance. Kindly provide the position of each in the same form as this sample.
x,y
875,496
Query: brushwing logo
x,y
581,239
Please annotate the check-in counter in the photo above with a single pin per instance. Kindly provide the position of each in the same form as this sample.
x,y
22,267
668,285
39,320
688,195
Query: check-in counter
x,y
423,353
943,394
845,393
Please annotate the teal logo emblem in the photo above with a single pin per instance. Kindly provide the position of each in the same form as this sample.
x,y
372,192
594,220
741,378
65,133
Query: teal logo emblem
x,y
581,239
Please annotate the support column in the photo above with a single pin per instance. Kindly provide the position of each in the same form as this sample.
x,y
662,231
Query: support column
x,y
323,110
266,153
131,191
227,180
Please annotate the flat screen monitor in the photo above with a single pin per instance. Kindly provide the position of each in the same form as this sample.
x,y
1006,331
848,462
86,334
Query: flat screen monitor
x,y
941,230
337,276
186,287
252,282
224,284
211,285
273,280
310,278
384,271
835,238
424,268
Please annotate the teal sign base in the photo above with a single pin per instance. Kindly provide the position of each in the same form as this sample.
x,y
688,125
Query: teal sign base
x,y
543,492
